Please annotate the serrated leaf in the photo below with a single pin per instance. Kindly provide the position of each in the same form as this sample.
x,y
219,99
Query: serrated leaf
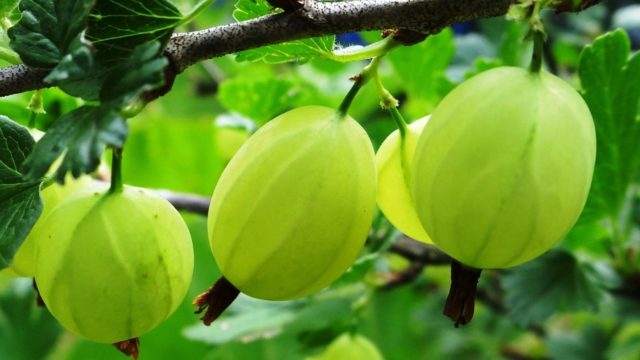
x,y
554,282
259,100
116,27
82,135
15,145
123,86
20,204
47,28
298,50
249,9
8,12
605,71
422,65
76,73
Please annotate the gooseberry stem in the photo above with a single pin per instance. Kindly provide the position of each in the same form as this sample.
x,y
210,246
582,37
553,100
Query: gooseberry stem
x,y
348,99
360,80
353,53
536,31
536,58
32,120
403,128
116,171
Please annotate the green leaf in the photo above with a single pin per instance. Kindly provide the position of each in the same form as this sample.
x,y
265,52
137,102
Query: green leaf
x,y
254,322
82,136
298,50
47,28
123,86
626,343
20,204
262,99
554,282
511,47
78,75
8,14
7,7
28,331
252,319
249,9
116,27
591,343
606,74
16,144
422,66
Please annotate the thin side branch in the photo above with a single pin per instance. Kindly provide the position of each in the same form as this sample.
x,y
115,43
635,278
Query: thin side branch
x,y
316,18
413,250
186,202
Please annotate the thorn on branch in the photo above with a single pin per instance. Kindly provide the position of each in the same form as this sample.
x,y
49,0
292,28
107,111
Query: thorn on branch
x,y
215,300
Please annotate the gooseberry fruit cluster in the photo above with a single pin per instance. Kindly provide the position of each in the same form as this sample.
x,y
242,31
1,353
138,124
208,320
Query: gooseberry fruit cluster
x,y
496,176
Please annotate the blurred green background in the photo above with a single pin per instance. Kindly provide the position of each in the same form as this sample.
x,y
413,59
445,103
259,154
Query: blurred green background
x,y
577,302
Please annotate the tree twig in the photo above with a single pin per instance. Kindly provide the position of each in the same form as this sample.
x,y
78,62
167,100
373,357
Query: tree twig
x,y
186,202
419,252
316,18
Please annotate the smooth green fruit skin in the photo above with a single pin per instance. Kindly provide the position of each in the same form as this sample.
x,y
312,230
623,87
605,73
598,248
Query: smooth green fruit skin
x,y
393,163
292,209
503,168
350,347
113,266
23,264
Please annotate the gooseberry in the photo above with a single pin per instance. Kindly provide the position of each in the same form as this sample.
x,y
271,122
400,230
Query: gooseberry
x,y
503,168
350,347
393,163
112,266
292,209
